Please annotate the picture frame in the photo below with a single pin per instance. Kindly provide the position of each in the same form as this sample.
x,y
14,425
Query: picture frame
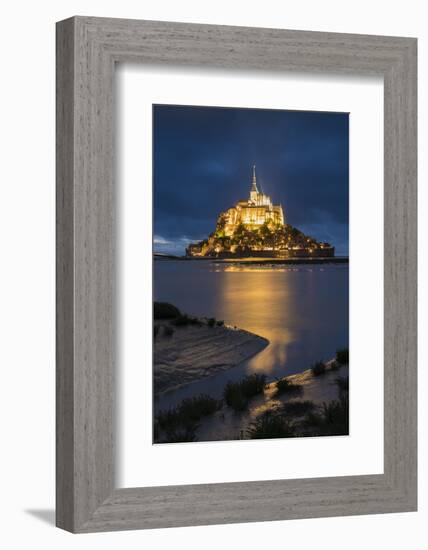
x,y
87,50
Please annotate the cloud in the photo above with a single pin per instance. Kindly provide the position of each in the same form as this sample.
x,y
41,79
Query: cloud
x,y
176,247
157,239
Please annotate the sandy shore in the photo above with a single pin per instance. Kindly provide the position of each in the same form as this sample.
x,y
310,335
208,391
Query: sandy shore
x,y
193,352
227,424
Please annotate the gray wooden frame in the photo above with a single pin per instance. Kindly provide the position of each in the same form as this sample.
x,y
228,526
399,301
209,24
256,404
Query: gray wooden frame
x,y
87,50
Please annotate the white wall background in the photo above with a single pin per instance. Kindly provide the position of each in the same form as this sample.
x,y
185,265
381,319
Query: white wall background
x,y
27,271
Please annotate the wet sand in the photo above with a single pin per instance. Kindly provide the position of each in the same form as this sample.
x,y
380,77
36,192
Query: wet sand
x,y
194,352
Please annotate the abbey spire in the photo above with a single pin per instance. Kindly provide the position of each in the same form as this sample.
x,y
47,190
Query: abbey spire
x,y
254,180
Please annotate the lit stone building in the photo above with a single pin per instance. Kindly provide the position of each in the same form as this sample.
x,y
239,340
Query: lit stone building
x,y
256,227
253,212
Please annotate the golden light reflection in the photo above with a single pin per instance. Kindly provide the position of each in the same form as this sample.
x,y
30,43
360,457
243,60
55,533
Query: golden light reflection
x,y
260,301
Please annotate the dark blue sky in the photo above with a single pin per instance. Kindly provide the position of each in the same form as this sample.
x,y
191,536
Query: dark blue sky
x,y
202,166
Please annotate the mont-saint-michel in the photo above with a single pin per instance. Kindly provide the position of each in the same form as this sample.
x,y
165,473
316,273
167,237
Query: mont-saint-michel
x,y
256,227
250,310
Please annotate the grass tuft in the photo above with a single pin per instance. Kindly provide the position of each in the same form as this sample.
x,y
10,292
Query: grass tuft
x,y
164,310
183,419
237,394
318,368
253,384
168,420
336,416
342,356
184,320
298,408
332,420
194,408
313,420
234,398
270,426
285,386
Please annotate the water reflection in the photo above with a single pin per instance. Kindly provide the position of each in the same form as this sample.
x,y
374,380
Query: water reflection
x,y
302,311
261,301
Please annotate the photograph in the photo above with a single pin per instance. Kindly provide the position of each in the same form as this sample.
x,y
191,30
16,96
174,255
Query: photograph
x,y
205,206
251,290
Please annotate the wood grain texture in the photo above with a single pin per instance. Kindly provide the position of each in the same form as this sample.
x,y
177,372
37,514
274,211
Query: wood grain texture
x,y
87,49
64,276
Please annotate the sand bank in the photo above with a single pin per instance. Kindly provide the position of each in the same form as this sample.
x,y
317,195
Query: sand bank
x,y
193,352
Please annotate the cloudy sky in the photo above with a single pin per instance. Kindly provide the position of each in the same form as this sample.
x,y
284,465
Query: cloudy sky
x,y
203,158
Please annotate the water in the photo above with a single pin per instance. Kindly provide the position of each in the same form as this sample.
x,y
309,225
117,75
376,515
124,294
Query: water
x,y
302,311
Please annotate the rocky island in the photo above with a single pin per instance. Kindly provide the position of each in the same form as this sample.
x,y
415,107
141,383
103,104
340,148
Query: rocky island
x,y
255,227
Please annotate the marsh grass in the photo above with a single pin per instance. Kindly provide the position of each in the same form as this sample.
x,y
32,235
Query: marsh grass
x,y
332,420
298,408
184,320
164,310
342,356
313,420
253,384
237,394
336,413
318,368
180,423
194,408
270,426
285,386
181,320
168,420
234,398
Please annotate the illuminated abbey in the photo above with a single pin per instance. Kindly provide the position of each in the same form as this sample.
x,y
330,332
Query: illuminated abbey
x,y
257,227
253,212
